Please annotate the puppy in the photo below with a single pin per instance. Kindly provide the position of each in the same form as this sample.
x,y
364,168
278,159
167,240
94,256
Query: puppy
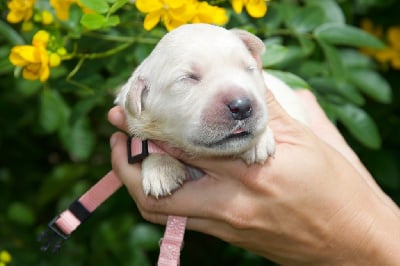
x,y
202,90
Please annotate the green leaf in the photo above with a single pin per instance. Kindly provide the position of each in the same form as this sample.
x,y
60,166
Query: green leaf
x,y
354,59
293,55
359,124
62,176
290,79
145,236
275,53
334,61
332,11
84,106
53,110
306,19
384,166
99,6
8,33
78,139
372,84
117,5
307,45
93,21
346,35
112,21
329,85
20,213
312,68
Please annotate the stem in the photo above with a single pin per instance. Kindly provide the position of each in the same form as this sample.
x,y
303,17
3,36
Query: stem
x,y
128,41
104,54
122,38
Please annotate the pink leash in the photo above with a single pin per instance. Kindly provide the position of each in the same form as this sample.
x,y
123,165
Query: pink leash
x,y
64,224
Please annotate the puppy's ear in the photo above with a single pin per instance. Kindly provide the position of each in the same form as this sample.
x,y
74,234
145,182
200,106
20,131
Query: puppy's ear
x,y
137,91
253,43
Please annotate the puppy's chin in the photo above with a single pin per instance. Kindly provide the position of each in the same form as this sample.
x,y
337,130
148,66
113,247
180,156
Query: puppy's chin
x,y
228,145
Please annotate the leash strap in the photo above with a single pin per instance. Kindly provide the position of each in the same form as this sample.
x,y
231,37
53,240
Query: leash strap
x,y
63,225
172,242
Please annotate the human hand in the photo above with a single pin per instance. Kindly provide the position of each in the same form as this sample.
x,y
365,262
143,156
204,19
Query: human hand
x,y
305,206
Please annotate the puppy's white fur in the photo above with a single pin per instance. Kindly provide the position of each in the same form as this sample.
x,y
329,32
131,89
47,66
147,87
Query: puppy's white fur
x,y
182,94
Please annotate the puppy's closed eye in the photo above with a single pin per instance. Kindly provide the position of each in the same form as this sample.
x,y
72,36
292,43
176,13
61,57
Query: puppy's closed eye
x,y
190,77
251,68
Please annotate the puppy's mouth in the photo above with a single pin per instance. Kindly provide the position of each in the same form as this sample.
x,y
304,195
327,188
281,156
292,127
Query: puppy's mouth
x,y
237,136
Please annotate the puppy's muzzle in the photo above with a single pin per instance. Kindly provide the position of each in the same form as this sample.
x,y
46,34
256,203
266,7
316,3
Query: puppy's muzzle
x,y
240,108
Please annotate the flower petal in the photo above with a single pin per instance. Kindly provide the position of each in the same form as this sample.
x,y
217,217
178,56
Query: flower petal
x,y
207,13
393,35
147,6
41,38
31,72
22,55
237,6
177,3
44,73
47,18
151,20
172,23
256,8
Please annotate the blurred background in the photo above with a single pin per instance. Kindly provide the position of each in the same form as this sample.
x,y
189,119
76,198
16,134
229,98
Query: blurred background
x,y
62,61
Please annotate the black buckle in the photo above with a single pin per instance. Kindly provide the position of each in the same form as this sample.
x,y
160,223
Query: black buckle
x,y
53,237
138,157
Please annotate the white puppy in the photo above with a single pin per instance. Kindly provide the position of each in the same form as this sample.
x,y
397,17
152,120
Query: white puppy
x,y
202,90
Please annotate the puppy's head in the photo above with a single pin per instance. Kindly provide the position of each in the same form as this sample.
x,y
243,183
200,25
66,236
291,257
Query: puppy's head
x,y
201,89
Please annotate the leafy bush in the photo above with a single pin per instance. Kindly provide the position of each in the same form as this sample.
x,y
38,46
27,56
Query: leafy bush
x,y
61,62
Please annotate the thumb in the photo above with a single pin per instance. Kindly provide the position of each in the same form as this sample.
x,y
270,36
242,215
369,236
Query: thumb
x,y
278,119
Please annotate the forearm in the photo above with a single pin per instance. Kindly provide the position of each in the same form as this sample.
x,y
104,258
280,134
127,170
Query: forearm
x,y
372,237
385,244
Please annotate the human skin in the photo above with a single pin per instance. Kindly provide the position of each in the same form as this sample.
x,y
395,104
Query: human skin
x,y
313,203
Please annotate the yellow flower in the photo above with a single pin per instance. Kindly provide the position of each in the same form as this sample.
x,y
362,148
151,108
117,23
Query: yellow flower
x,y
34,59
41,38
54,60
27,26
47,17
5,257
20,10
172,13
62,8
390,55
393,36
206,13
255,8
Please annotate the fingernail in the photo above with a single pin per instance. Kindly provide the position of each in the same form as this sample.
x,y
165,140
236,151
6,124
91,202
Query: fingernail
x,y
113,140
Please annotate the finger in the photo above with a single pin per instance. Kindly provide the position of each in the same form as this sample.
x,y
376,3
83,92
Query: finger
x,y
130,174
216,228
189,200
117,118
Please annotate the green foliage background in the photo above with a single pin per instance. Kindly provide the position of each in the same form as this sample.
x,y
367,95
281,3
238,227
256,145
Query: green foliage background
x,y
54,137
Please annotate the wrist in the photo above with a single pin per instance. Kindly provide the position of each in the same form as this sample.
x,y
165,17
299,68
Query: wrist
x,y
371,237
384,245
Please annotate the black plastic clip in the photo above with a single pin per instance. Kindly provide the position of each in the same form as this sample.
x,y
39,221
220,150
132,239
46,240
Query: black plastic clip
x,y
53,237
138,157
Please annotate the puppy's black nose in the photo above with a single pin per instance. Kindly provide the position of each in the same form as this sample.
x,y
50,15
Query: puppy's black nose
x,y
240,108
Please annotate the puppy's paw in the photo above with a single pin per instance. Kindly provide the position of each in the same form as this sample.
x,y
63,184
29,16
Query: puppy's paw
x,y
161,175
264,148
